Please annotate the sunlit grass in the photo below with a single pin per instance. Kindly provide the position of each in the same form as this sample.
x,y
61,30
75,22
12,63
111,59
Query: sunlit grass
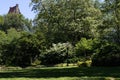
x,y
62,73
64,78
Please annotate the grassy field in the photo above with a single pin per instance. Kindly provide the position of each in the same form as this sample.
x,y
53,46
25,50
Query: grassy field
x,y
63,73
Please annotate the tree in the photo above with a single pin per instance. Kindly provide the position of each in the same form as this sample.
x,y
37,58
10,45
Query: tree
x,y
108,52
13,34
1,20
59,26
7,48
107,55
3,41
16,21
84,48
28,49
98,4
110,30
23,51
58,53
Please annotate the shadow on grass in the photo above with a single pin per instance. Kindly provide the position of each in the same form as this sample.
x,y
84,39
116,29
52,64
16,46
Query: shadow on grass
x,y
63,72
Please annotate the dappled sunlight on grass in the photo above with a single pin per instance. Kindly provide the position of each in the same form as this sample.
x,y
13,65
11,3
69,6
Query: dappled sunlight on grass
x,y
63,73
64,78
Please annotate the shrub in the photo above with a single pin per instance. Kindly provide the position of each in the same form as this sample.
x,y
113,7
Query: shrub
x,y
84,64
107,55
83,45
85,48
58,53
22,51
36,62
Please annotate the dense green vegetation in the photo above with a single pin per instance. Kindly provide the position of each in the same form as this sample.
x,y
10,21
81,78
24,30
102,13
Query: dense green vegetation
x,y
63,31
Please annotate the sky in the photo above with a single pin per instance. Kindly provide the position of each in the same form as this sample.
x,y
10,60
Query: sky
x,y
24,7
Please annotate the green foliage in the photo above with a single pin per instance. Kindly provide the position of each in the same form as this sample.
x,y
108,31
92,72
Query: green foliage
x,y
84,64
59,26
7,46
108,55
89,25
29,49
16,21
36,62
3,38
1,21
13,20
13,34
22,48
58,53
3,41
110,29
84,47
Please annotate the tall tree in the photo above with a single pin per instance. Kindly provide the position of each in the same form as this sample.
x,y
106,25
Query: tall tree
x,y
1,21
16,21
67,20
111,20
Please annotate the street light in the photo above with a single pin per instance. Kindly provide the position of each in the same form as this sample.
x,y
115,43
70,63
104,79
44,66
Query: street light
x,y
67,45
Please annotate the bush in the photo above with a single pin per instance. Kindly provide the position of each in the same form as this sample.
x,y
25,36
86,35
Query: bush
x,y
73,60
107,55
36,62
22,51
81,64
83,47
58,53
86,47
84,64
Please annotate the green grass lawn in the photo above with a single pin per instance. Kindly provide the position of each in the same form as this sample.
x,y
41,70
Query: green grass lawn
x,y
63,73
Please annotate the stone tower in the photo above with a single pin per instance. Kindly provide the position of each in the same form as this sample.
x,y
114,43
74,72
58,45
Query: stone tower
x,y
14,9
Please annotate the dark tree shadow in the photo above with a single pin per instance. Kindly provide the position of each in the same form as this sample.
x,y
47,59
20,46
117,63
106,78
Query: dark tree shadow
x,y
63,72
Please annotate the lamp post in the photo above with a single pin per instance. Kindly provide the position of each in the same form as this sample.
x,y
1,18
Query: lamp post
x,y
67,52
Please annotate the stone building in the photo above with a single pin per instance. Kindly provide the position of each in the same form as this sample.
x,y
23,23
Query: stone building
x,y
15,9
